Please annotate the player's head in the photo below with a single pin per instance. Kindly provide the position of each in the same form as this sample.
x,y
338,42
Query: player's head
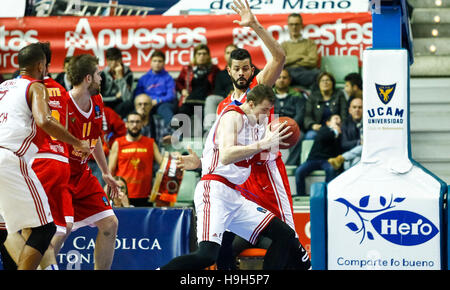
x,y
157,61
240,68
261,100
295,25
83,71
134,124
202,55
48,54
32,61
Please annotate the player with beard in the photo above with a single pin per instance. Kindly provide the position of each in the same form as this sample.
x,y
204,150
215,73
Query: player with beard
x,y
268,183
131,157
90,205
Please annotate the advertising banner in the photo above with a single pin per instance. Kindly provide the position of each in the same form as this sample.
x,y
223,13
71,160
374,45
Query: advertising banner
x,y
147,238
138,36
303,229
386,211
271,6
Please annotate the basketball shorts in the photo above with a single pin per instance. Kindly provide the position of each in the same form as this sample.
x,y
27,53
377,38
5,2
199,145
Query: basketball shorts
x,y
268,186
221,208
23,202
54,176
89,201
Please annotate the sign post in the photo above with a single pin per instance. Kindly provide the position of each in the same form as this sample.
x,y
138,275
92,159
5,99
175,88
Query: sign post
x,y
387,212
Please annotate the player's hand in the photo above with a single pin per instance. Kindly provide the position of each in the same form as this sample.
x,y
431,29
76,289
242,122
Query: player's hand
x,y
84,148
274,135
188,162
113,187
247,17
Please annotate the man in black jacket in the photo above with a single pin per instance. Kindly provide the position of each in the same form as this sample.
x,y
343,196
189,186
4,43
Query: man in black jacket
x,y
327,144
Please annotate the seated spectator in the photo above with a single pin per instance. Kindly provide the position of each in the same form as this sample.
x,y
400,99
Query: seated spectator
x,y
327,144
62,78
117,80
289,103
160,87
351,140
196,80
131,157
152,126
222,87
122,199
353,86
301,54
323,103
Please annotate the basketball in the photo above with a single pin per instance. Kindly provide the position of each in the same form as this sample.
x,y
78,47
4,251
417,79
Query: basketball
x,y
295,129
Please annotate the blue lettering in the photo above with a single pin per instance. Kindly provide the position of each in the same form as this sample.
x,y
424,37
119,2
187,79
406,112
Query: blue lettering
x,y
399,113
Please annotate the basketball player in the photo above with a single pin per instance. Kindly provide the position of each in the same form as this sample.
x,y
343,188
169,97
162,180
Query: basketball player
x,y
23,202
268,183
90,205
51,165
237,135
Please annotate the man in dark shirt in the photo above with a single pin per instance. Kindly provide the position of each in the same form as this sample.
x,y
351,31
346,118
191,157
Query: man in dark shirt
x,y
327,144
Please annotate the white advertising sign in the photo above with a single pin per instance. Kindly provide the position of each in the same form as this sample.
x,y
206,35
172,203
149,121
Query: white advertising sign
x,y
269,6
384,213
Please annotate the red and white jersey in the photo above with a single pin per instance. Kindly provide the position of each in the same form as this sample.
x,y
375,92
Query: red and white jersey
x,y
237,172
50,147
84,126
17,126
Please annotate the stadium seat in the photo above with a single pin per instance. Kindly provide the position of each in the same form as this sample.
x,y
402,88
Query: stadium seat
x,y
185,196
340,66
196,144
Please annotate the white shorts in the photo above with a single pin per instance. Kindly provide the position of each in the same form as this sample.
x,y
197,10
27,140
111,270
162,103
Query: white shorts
x,y
221,208
23,202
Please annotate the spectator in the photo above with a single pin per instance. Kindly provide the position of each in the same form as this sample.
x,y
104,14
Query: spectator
x,y
117,80
326,145
323,103
289,103
1,79
122,199
196,81
222,87
160,87
351,140
62,78
301,54
131,157
353,86
150,127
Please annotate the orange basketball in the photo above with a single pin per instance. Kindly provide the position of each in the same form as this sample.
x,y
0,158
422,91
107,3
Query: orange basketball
x,y
293,139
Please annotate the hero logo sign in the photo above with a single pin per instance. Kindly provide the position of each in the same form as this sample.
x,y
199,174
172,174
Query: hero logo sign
x,y
177,41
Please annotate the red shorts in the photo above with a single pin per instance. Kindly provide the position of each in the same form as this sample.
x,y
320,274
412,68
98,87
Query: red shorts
x,y
54,176
89,201
268,186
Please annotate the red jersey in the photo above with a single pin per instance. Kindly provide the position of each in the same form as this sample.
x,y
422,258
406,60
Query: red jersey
x,y
225,102
49,146
84,126
135,165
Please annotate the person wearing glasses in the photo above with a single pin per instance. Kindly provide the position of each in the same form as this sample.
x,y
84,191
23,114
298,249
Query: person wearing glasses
x,y
301,55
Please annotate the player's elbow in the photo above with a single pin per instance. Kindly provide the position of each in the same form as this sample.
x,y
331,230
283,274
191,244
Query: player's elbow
x,y
225,158
44,122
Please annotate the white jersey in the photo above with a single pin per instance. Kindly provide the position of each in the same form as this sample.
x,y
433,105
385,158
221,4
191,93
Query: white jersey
x,y
236,173
17,126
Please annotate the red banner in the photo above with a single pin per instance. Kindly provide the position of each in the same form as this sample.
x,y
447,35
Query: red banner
x,y
138,36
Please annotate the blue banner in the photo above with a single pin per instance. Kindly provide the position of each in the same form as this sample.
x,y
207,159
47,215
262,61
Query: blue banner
x,y
147,239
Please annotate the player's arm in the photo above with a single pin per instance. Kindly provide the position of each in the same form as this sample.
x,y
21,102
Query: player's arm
x,y
113,156
228,130
38,95
271,71
156,154
100,158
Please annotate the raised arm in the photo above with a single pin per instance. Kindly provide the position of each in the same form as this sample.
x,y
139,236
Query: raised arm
x,y
271,71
